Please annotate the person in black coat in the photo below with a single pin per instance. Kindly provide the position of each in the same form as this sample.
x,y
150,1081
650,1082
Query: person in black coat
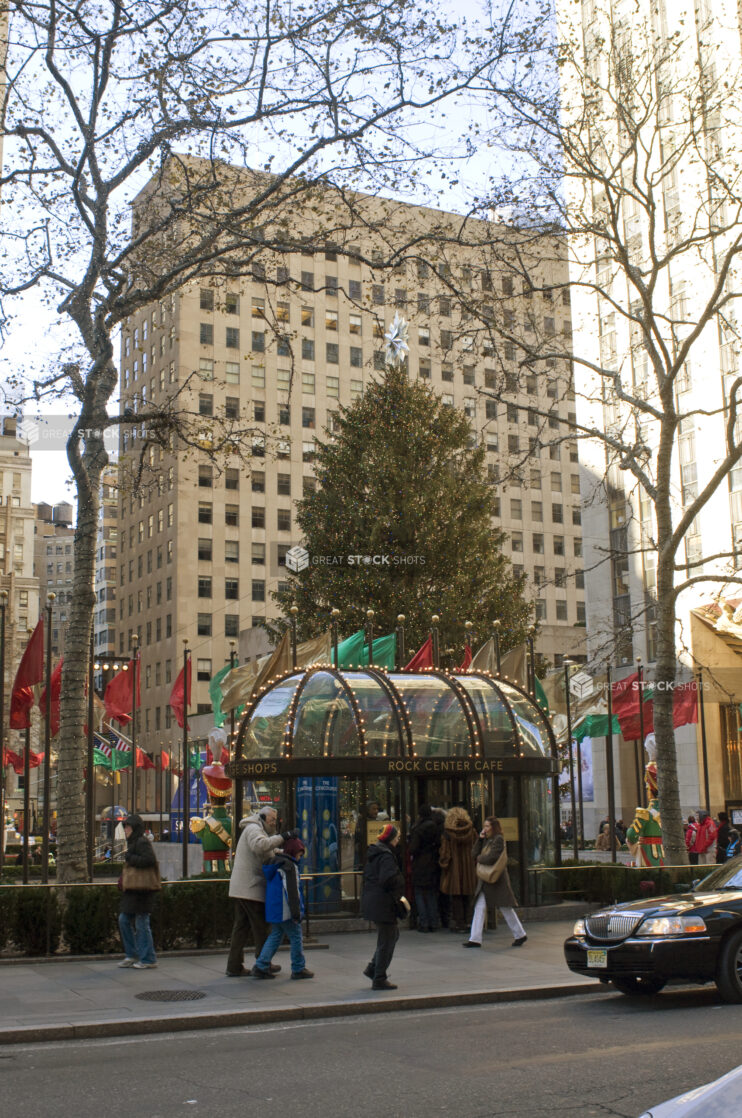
x,y
383,888
423,847
137,904
722,837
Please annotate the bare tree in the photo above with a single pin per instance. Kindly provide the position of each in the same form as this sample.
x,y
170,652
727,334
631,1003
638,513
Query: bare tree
x,y
625,158
218,123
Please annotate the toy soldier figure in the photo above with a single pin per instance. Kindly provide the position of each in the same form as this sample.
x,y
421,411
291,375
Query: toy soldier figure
x,y
215,831
644,836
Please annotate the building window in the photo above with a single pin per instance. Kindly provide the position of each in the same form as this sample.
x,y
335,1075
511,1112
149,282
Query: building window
x,y
206,299
332,353
232,589
258,376
205,513
206,334
283,485
205,478
538,544
232,516
377,294
307,452
516,509
232,407
258,517
258,411
231,479
307,349
232,372
206,368
557,514
516,541
258,590
257,554
308,418
333,386
232,303
203,670
231,551
257,481
204,587
561,611
307,383
283,520
203,625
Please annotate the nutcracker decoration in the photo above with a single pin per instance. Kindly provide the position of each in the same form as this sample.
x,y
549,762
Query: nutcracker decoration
x,y
215,829
644,836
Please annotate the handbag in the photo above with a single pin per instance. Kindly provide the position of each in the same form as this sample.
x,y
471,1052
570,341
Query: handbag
x,y
141,880
490,874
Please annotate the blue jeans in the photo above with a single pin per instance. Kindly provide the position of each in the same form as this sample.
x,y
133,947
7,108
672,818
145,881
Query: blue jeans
x,y
426,901
136,936
273,942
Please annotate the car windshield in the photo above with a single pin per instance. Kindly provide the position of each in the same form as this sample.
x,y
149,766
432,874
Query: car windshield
x,y
728,876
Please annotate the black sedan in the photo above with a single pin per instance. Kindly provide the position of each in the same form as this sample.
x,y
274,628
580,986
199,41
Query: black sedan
x,y
691,937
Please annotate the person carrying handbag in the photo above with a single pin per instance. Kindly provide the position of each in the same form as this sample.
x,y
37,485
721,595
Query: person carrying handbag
x,y
139,883
493,885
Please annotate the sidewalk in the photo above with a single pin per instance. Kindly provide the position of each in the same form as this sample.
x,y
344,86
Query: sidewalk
x,y
68,999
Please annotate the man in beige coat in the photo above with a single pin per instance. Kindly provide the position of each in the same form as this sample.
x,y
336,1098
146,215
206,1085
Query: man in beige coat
x,y
247,886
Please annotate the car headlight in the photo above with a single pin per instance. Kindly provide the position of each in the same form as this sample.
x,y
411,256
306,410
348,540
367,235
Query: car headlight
x,y
579,928
672,926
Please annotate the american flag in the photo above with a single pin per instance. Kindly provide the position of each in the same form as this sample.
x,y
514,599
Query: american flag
x,y
118,742
101,744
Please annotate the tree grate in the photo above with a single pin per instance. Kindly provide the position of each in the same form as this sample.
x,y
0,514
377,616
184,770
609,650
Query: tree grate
x,y
171,996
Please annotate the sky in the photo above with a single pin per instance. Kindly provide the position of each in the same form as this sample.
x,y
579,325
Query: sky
x,y
36,335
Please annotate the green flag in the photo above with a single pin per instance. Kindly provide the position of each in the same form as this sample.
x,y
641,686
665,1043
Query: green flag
x,y
99,758
353,651
541,699
215,694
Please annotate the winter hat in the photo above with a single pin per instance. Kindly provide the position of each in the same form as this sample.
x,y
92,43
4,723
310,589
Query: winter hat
x,y
294,848
390,832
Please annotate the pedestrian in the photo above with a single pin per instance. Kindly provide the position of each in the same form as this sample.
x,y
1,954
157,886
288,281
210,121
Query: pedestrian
x,y
383,889
423,849
139,883
603,841
705,844
489,895
284,908
722,837
247,886
733,849
458,876
691,832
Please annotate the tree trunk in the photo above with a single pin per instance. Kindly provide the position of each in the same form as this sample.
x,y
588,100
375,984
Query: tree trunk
x,y
72,747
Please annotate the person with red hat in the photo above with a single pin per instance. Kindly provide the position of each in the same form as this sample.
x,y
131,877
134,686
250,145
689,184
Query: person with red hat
x,y
383,889
284,908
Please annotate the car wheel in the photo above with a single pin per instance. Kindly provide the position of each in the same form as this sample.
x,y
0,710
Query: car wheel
x,y
729,968
638,987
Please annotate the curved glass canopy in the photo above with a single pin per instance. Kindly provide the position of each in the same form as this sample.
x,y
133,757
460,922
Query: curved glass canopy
x,y
324,712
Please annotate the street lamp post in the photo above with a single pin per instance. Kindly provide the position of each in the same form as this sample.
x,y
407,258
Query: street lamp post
x,y
186,797
134,690
436,641
400,641
496,626
609,766
637,766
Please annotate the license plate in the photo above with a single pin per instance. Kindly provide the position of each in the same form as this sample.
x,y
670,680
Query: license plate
x,y
597,957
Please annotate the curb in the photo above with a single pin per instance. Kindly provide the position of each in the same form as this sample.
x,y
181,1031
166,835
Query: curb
x,y
140,1026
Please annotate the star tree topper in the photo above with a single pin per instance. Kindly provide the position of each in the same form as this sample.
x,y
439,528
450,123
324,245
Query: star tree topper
x,y
396,341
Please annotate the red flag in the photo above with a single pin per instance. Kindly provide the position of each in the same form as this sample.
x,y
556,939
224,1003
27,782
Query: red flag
x,y
164,760
684,704
34,759
30,672
143,761
224,759
625,695
466,662
56,693
180,696
14,759
423,658
119,694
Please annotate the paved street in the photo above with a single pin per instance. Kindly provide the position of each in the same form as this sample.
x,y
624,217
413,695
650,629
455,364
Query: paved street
x,y
588,1057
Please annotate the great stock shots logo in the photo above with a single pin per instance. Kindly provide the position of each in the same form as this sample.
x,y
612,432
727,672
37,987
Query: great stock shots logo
x,y
298,559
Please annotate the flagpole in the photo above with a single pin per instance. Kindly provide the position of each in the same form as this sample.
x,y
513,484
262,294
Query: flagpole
x,y
704,750
26,799
3,603
135,663
232,665
609,766
186,798
334,632
496,634
370,635
400,641
47,743
90,777
640,673
436,642
576,851
293,611
532,662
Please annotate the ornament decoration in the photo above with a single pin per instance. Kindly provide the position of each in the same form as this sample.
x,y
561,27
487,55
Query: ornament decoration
x,y
396,337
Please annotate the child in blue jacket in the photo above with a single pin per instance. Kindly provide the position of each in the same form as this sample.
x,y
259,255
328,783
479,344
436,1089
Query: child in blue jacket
x,y
284,907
